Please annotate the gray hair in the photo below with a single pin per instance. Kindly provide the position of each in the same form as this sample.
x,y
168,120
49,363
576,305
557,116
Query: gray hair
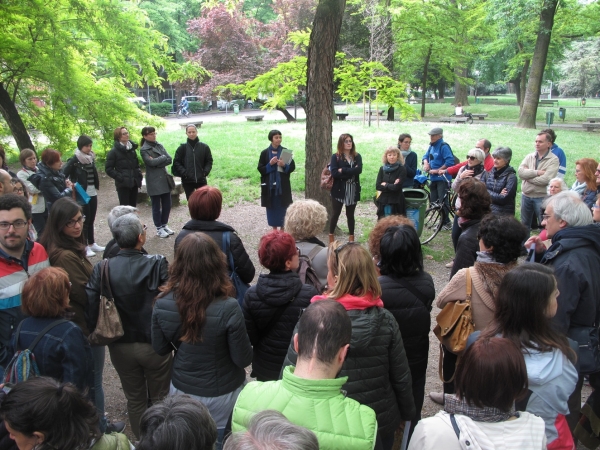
x,y
270,430
563,185
568,206
178,422
504,153
126,230
119,211
477,153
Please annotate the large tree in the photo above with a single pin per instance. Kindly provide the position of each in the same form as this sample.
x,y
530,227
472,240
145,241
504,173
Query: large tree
x,y
76,56
538,65
319,94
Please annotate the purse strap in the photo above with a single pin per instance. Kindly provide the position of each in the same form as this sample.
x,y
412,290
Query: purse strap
x,y
105,280
225,246
414,291
469,286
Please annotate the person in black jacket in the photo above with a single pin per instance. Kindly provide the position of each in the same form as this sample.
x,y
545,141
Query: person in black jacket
x,y
275,187
345,166
122,164
50,180
390,198
193,162
474,204
134,280
80,168
198,316
501,182
410,159
205,208
273,305
407,291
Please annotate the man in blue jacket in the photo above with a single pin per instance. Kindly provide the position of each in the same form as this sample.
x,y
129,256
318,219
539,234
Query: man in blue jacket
x,y
438,157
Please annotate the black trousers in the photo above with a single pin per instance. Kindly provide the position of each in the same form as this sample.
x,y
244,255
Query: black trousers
x,y
127,196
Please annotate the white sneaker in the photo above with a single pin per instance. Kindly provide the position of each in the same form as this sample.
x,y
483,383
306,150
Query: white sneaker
x,y
89,253
95,247
161,233
168,230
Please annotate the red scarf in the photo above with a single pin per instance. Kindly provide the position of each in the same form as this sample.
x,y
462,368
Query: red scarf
x,y
351,302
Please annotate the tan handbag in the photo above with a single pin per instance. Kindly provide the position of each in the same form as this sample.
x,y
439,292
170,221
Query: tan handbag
x,y
109,327
326,179
455,324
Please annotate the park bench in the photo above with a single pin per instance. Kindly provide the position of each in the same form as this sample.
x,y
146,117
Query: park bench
x,y
341,116
254,118
479,116
379,112
454,119
142,195
198,124
590,126
593,119
548,103
489,101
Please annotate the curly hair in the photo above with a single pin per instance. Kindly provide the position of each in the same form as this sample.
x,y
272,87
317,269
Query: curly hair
x,y
588,166
504,235
392,149
475,199
379,230
305,219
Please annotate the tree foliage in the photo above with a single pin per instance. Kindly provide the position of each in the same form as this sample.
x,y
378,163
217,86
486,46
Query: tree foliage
x,y
580,69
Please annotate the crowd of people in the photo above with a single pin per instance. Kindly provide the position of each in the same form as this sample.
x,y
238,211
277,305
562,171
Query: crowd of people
x,y
340,359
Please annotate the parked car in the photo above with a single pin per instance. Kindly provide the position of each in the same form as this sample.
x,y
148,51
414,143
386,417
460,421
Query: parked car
x,y
173,103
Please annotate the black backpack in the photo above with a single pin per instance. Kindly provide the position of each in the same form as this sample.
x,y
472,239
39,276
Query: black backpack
x,y
307,274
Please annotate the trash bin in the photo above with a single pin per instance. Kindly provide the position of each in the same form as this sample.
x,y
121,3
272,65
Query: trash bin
x,y
416,205
549,117
236,108
562,113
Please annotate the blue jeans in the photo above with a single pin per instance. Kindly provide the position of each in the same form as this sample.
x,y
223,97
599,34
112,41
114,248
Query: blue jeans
x,y
98,355
529,207
160,217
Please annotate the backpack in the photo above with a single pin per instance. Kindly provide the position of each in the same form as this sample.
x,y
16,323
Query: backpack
x,y
23,365
307,274
456,160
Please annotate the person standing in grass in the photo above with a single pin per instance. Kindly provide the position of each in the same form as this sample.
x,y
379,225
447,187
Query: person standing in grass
x,y
390,198
157,159
193,162
275,187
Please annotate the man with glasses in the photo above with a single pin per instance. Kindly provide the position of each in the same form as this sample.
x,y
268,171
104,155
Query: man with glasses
x,y
536,171
575,257
19,259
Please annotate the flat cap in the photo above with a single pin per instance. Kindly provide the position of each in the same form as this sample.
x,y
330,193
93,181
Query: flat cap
x,y
435,131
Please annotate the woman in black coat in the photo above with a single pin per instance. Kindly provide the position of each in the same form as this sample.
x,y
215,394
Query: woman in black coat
x,y
50,180
122,165
275,187
410,159
273,305
205,208
407,291
346,167
390,198
501,182
193,162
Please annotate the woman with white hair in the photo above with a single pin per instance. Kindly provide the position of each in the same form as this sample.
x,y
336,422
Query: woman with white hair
x,y
501,182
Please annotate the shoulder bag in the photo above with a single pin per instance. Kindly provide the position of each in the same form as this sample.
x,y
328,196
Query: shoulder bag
x,y
326,179
240,286
455,324
109,327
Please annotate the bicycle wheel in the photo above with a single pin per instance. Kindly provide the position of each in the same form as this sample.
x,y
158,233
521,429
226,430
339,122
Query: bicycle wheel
x,y
432,223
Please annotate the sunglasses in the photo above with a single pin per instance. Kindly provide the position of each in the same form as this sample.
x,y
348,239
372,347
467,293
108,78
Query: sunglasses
x,y
471,158
340,248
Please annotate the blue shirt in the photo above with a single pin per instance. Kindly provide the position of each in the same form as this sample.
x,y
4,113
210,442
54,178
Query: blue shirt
x,y
562,160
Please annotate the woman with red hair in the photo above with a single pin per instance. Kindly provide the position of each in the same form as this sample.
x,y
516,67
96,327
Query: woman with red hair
x,y
205,208
585,185
272,306
52,182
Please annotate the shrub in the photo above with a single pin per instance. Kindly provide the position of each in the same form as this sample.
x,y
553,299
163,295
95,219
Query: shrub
x,y
160,109
196,107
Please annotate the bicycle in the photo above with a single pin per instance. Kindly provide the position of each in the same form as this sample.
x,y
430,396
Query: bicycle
x,y
183,112
432,222
465,114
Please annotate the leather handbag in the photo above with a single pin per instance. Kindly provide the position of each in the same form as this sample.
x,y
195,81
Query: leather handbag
x,y
326,179
109,327
455,322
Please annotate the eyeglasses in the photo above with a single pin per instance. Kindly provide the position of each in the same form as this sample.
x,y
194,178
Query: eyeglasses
x,y
348,141
124,133
17,224
545,216
18,191
339,249
594,206
71,223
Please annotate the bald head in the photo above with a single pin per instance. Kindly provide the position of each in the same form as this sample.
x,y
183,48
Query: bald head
x,y
5,184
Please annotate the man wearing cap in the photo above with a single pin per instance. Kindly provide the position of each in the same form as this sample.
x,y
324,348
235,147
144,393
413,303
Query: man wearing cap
x,y
436,160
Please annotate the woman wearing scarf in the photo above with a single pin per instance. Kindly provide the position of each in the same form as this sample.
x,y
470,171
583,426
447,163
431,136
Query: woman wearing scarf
x,y
276,191
390,198
500,239
80,168
410,159
585,185
376,364
123,166
28,160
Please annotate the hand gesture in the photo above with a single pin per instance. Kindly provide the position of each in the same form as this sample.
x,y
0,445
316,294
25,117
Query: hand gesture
x,y
397,181
503,192
467,174
69,184
273,160
280,162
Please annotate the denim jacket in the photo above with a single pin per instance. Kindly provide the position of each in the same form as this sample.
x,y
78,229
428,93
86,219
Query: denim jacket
x,y
63,353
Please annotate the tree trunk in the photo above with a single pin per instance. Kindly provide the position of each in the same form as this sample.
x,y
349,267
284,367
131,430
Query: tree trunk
x,y
13,120
424,82
286,113
460,90
442,88
319,95
390,114
538,64
523,83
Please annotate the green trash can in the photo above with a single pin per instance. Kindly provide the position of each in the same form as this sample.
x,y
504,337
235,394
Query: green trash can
x,y
549,117
236,108
416,205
